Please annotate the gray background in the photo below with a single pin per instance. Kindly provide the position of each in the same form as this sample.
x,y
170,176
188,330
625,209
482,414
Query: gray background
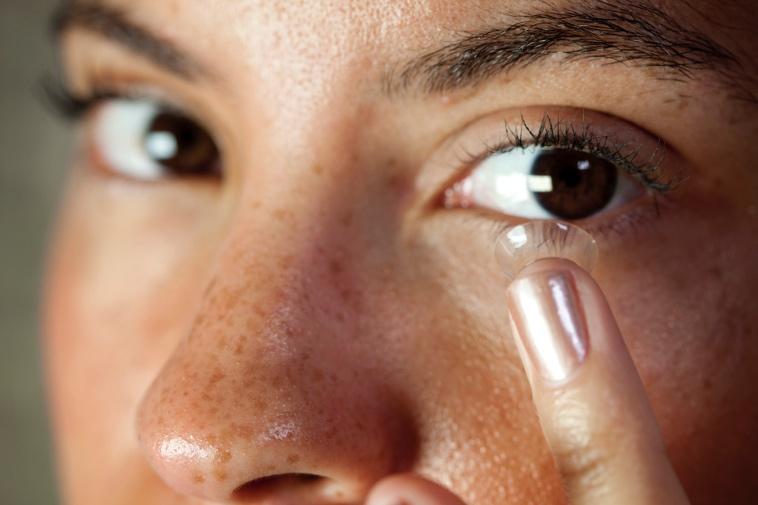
x,y
33,151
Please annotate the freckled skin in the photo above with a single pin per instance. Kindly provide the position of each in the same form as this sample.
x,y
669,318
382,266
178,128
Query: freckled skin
x,y
314,314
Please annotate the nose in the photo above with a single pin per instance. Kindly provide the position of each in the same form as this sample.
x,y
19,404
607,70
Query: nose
x,y
274,393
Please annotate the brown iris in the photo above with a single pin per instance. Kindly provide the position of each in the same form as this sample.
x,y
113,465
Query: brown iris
x,y
181,146
580,184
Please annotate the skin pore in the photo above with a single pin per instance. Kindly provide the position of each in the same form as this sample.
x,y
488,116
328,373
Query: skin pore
x,y
315,319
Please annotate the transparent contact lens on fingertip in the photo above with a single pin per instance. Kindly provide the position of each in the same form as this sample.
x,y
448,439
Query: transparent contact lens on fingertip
x,y
519,245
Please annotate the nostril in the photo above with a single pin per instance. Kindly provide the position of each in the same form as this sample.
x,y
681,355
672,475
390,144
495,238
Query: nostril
x,y
274,484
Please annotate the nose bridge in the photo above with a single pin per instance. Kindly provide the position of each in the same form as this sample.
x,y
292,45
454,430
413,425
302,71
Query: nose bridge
x,y
268,381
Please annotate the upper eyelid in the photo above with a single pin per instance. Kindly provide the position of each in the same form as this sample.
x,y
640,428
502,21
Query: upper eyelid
x,y
74,105
649,172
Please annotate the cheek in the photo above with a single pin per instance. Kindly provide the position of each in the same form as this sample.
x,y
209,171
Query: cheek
x,y
681,296
457,363
111,321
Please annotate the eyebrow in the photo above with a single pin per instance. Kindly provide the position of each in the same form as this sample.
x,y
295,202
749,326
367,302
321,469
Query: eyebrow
x,y
114,24
634,33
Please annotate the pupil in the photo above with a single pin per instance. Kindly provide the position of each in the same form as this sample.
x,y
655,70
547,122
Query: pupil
x,y
181,146
581,184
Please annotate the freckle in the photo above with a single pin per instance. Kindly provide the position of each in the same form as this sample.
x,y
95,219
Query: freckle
x,y
286,261
395,182
238,348
345,294
260,404
318,376
198,479
227,435
347,219
282,214
335,267
217,376
317,169
222,341
293,458
244,431
220,474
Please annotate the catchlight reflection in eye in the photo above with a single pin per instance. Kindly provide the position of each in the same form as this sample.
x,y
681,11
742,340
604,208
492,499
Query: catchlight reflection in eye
x,y
518,246
143,140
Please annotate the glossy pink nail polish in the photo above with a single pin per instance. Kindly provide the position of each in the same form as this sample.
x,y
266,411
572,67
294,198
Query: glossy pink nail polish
x,y
549,320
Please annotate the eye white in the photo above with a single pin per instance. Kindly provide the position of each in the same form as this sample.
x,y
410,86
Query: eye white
x,y
120,134
503,182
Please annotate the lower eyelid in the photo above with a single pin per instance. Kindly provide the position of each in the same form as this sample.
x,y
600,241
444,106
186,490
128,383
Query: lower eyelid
x,y
611,230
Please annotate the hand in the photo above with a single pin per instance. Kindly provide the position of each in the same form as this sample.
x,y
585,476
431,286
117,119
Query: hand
x,y
590,400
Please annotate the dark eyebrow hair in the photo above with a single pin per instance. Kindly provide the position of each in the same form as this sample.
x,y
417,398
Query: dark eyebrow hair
x,y
632,32
113,24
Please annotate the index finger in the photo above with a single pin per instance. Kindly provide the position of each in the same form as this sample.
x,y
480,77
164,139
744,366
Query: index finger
x,y
591,402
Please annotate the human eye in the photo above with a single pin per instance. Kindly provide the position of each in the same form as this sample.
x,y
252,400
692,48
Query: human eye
x,y
563,169
141,138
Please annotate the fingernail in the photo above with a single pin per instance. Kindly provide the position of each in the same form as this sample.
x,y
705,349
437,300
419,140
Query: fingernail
x,y
549,321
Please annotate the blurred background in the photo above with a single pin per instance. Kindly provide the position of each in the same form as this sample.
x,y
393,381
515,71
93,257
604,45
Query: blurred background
x,y
33,152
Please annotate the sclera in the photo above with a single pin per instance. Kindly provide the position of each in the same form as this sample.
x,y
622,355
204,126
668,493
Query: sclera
x,y
522,244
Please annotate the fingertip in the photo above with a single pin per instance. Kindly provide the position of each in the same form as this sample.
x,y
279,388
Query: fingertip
x,y
410,489
552,264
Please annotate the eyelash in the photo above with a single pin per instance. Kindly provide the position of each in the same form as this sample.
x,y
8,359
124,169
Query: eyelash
x,y
562,135
73,107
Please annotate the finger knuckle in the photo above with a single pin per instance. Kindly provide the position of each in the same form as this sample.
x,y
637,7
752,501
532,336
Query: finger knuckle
x,y
587,449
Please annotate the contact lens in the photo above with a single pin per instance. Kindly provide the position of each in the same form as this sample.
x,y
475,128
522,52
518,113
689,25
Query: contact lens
x,y
522,244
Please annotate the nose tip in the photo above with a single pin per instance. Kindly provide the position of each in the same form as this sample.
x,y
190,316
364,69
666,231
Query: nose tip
x,y
232,437
213,470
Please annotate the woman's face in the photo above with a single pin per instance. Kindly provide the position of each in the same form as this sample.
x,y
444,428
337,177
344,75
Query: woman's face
x,y
314,303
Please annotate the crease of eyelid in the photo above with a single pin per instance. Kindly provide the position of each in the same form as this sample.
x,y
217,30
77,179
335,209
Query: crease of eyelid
x,y
114,24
